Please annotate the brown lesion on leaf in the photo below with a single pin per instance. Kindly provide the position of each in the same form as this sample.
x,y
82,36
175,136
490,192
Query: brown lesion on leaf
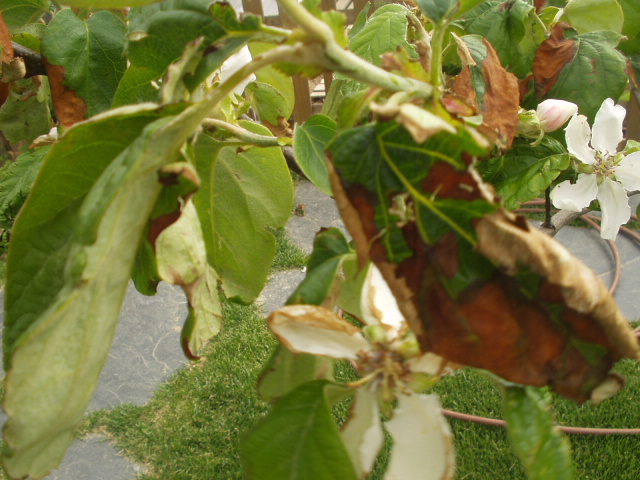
x,y
69,107
566,334
551,58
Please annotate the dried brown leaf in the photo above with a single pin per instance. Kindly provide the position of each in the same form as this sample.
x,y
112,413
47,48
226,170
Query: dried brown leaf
x,y
501,101
567,335
5,42
551,57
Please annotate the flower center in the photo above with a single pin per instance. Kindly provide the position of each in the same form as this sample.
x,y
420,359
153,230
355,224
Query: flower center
x,y
384,366
604,165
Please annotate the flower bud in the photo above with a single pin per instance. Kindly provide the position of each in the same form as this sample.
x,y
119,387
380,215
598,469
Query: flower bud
x,y
553,113
529,124
409,348
375,333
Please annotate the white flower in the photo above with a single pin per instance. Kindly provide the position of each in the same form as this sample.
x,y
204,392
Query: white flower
x,y
387,357
554,113
606,175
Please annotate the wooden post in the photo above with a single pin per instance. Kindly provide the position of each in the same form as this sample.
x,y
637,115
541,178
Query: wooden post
x,y
633,116
301,91
253,6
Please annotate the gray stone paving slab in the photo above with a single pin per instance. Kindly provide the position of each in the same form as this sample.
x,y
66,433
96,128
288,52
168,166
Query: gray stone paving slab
x,y
146,347
320,211
94,458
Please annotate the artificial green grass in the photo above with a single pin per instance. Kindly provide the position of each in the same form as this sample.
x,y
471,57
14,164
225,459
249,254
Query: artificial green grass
x,y
484,452
192,427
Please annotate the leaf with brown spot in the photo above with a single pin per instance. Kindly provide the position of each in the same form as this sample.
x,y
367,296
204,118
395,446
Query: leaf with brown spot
x,y
69,107
552,56
478,286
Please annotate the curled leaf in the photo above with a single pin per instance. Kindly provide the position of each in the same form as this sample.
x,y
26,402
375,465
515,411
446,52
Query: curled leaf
x,y
551,58
477,284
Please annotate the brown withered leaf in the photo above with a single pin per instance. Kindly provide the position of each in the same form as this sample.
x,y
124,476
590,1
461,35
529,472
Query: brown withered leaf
x,y
501,99
69,107
4,92
551,57
5,41
534,314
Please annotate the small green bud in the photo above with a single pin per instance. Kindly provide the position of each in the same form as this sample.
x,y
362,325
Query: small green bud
x,y
375,333
409,348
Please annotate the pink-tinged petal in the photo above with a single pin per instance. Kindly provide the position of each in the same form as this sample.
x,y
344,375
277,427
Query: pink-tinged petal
x,y
628,172
553,113
422,441
614,204
607,127
362,433
578,135
316,330
575,196
379,306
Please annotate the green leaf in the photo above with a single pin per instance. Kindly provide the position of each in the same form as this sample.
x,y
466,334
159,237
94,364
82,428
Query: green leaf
x,y
106,4
15,183
287,371
271,76
298,440
386,161
63,295
334,19
180,248
180,181
437,10
23,118
597,67
17,13
352,285
330,248
543,450
309,144
205,314
268,102
512,30
385,31
631,10
159,33
594,15
243,193
182,260
135,87
91,53
467,5
61,305
526,171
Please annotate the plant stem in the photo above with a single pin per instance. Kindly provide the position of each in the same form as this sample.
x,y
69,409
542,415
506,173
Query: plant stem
x,y
437,39
547,208
242,133
186,123
332,56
